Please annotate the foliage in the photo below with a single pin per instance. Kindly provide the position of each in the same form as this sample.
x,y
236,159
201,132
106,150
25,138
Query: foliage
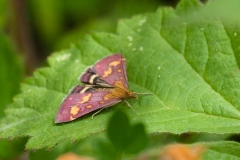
x,y
9,83
188,58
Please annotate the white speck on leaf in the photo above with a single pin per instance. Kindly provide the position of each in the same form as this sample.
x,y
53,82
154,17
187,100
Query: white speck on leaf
x,y
202,29
159,67
235,34
159,76
142,21
63,57
130,38
141,48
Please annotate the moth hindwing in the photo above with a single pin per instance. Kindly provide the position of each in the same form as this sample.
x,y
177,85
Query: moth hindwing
x,y
106,85
92,78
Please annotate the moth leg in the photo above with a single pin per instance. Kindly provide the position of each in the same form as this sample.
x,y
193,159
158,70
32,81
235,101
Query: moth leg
x,y
105,107
130,106
97,112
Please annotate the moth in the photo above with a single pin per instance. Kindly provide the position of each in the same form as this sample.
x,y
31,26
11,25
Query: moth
x,y
106,85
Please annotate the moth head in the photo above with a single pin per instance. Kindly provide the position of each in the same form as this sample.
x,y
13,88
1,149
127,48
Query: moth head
x,y
132,95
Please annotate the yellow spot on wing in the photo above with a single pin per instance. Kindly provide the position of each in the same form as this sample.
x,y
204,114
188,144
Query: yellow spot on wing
x,y
119,70
114,63
85,98
105,97
74,110
107,72
89,106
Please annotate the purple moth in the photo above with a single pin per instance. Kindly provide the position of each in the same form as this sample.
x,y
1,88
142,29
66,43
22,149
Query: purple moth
x,y
106,85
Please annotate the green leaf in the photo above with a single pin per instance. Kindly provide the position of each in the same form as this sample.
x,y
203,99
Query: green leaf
x,y
137,140
189,62
119,130
222,150
100,146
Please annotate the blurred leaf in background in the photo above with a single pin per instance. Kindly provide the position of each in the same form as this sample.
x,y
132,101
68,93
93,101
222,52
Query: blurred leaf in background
x,y
123,138
12,72
126,137
3,13
11,69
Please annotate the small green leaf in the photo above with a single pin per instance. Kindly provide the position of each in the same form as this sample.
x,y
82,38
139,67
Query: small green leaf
x,y
119,130
222,150
104,149
137,140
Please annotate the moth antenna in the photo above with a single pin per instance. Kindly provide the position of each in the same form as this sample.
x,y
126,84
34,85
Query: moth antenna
x,y
125,78
97,86
130,106
144,94
97,112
